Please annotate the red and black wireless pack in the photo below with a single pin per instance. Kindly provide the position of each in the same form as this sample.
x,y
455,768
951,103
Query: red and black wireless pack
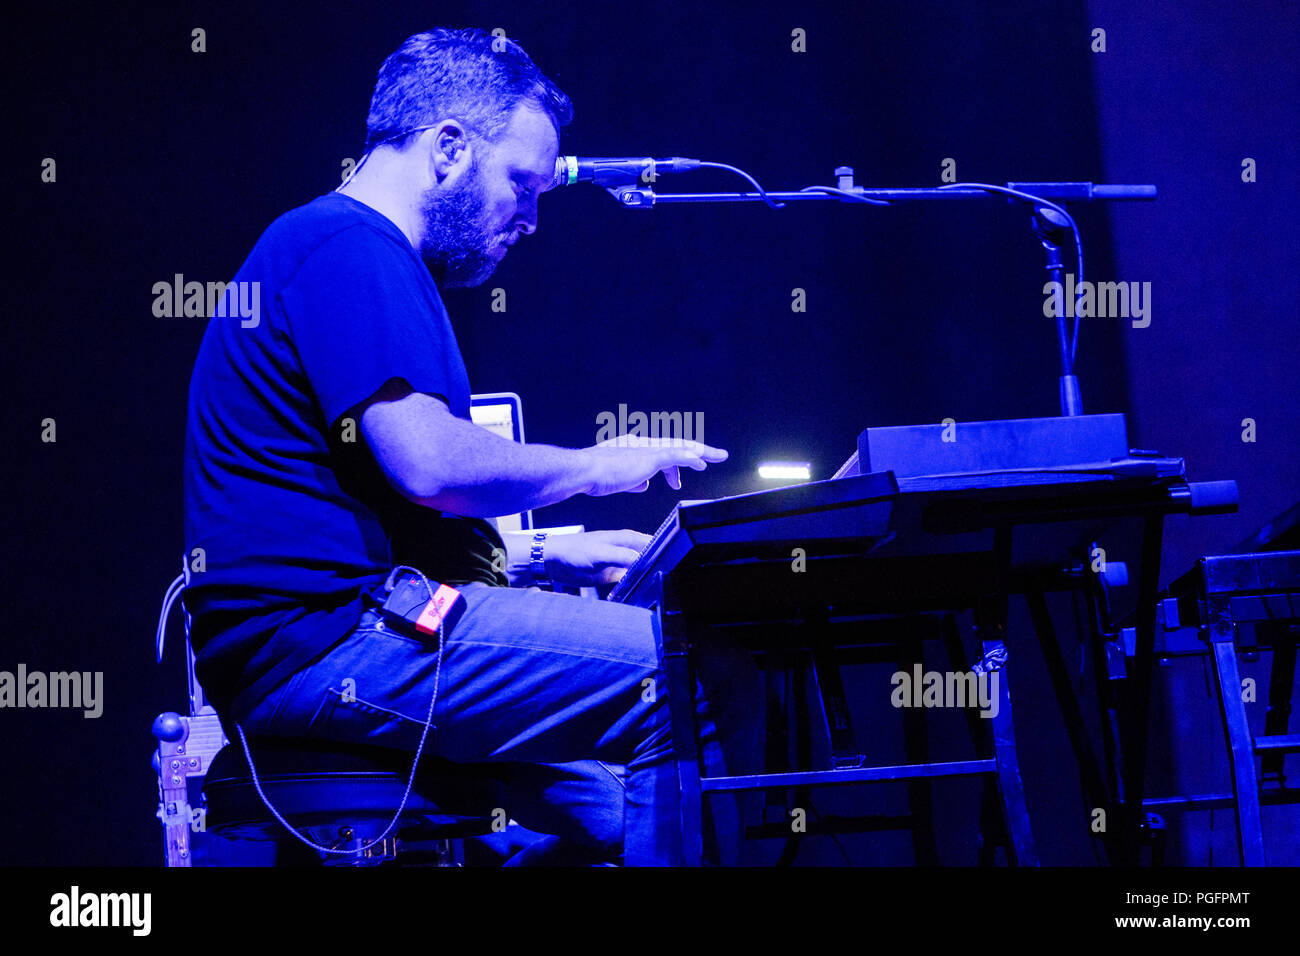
x,y
416,602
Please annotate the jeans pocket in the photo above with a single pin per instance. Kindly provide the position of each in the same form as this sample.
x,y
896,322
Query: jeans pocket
x,y
344,716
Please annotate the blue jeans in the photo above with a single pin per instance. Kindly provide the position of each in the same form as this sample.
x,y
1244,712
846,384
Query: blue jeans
x,y
571,687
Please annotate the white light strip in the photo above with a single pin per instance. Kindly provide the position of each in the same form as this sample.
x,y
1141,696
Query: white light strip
x,y
785,471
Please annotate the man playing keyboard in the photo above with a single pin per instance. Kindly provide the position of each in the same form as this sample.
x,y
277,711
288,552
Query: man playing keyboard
x,y
329,443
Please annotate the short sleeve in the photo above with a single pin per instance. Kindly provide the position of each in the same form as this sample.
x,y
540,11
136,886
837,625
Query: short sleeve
x,y
362,311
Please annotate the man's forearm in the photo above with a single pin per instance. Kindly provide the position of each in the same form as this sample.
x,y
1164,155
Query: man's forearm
x,y
475,473
436,459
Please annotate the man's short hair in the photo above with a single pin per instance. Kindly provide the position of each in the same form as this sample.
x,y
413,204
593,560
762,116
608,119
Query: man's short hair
x,y
469,75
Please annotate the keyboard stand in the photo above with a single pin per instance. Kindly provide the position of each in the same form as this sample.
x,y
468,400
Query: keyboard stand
x,y
1207,604
677,630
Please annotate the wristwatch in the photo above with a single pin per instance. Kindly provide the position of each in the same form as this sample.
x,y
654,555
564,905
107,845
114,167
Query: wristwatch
x,y
537,562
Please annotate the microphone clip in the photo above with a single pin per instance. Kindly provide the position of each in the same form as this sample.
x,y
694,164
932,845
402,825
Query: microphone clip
x,y
632,197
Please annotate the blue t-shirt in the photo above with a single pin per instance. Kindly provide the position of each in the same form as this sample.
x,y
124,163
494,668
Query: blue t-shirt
x,y
294,518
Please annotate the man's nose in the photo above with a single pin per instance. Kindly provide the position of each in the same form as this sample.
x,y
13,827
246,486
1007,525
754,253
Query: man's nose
x,y
526,216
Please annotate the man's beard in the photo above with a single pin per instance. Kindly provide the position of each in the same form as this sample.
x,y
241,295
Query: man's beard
x,y
457,246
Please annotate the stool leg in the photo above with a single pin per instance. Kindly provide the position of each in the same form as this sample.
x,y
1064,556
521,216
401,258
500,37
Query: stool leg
x,y
1236,731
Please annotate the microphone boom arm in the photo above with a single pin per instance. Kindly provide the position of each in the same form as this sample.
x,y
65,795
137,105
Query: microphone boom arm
x,y
1050,221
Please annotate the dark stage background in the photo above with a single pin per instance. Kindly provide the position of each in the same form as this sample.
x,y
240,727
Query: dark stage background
x,y
170,161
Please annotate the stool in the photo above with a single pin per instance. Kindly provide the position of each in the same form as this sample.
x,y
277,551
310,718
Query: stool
x,y
339,796
344,798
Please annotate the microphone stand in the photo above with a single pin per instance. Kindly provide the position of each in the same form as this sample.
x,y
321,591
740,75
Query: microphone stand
x,y
1049,226
1051,229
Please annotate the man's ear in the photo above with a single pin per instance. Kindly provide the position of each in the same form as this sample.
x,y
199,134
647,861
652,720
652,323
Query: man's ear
x,y
450,149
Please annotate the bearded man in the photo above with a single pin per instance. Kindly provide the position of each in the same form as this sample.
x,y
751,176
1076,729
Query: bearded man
x,y
329,446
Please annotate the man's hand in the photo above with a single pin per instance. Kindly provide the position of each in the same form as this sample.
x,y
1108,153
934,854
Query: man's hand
x,y
628,462
590,559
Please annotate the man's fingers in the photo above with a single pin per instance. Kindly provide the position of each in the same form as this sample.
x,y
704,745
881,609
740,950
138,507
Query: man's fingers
x,y
695,448
701,450
668,455
625,538
678,457
615,556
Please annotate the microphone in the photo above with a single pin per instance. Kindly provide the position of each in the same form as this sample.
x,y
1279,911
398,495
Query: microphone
x,y
617,170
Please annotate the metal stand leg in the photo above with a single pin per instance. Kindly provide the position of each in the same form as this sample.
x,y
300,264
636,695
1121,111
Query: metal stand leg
x,y
1277,720
1137,710
1236,730
800,666
920,799
1108,673
674,650
1009,784
992,825
1094,784
991,629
